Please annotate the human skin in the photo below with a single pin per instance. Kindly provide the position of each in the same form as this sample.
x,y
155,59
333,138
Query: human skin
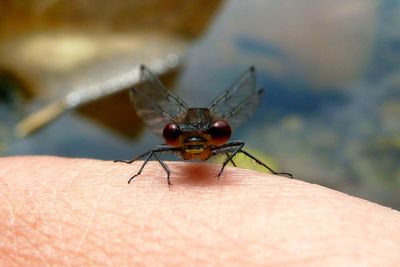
x,y
81,212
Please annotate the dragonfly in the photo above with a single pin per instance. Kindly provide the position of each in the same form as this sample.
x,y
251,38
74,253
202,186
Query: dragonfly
x,y
195,133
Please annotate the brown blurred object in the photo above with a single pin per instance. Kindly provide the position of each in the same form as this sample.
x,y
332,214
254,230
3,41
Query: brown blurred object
x,y
185,18
51,45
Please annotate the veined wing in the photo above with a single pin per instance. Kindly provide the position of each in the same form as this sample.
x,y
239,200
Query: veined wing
x,y
239,102
154,104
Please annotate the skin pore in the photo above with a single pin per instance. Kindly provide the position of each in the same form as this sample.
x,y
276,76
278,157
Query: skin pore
x,y
81,212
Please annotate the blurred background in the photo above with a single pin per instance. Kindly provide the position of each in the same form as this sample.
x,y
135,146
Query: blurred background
x,y
331,70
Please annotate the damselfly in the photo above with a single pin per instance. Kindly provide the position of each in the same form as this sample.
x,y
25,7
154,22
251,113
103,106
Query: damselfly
x,y
195,133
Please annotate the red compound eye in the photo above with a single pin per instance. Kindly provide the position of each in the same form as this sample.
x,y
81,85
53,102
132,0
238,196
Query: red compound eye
x,y
171,134
220,132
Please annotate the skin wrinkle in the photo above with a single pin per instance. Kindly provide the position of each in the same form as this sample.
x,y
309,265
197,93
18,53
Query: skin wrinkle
x,y
192,255
241,209
91,218
332,257
304,261
190,217
108,241
98,204
149,214
159,217
255,242
108,249
44,219
95,245
244,199
322,246
24,238
53,198
48,237
200,224
350,232
66,256
7,257
19,224
195,222
225,237
228,238
272,209
12,218
61,235
97,253
218,221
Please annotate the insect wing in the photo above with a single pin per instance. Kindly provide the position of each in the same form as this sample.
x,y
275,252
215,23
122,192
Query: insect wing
x,y
154,104
239,102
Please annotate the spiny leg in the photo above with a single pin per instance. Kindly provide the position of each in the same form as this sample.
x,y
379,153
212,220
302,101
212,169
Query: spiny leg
x,y
159,148
236,147
165,167
265,165
134,159
142,167
230,157
233,163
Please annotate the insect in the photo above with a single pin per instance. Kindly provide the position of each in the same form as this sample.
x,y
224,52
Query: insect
x,y
195,133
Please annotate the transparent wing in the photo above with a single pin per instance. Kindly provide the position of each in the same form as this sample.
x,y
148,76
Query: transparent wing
x,y
239,102
154,104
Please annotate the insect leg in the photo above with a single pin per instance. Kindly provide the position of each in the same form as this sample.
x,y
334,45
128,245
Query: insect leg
x,y
159,148
233,163
228,147
142,167
134,159
165,167
153,152
265,165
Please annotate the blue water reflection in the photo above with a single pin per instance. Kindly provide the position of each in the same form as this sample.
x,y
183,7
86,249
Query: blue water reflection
x,y
331,74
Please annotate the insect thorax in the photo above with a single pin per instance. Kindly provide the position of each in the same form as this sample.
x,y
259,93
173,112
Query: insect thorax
x,y
197,119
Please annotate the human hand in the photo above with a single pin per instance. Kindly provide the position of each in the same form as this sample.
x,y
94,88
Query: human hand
x,y
81,212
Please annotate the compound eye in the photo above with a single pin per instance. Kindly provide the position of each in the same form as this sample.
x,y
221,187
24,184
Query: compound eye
x,y
171,134
220,132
